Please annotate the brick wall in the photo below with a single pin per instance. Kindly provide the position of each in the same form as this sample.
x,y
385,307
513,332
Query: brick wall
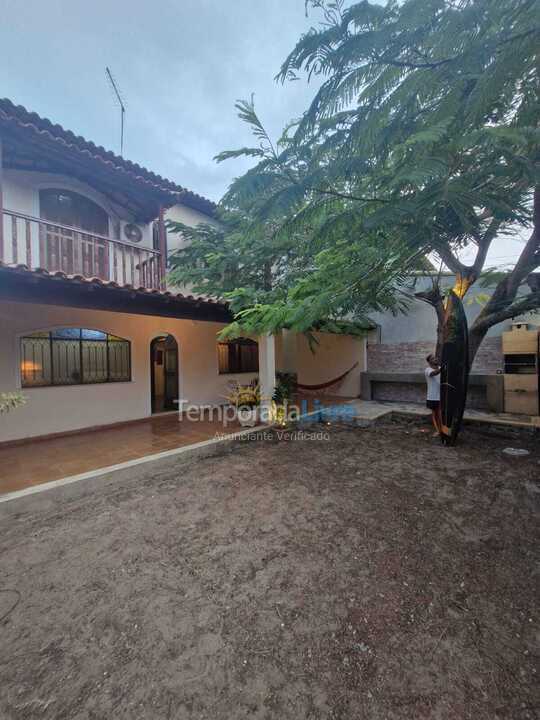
x,y
411,357
416,393
398,392
489,358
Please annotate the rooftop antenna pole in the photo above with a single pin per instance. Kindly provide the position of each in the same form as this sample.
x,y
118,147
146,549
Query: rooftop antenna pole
x,y
120,100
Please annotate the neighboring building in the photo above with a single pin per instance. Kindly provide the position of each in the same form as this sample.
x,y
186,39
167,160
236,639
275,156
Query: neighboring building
x,y
397,348
88,328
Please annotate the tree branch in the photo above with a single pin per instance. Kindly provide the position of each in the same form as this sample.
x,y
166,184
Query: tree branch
x,y
528,303
529,259
346,196
483,247
520,36
431,65
472,272
434,298
501,306
450,260
411,65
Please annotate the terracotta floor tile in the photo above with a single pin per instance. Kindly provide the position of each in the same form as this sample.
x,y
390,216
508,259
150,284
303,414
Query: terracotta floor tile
x,y
60,457
41,461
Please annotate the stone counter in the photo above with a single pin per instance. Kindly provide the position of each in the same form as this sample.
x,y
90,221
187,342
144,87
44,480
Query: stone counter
x,y
486,392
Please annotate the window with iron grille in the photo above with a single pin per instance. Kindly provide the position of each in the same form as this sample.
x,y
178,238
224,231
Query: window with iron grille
x,y
238,356
74,356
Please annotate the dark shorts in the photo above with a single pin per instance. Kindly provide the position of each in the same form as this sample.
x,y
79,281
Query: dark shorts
x,y
433,404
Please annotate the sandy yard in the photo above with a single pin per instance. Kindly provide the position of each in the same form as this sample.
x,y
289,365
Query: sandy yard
x,y
374,574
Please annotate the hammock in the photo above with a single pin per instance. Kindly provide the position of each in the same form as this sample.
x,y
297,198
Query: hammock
x,y
328,384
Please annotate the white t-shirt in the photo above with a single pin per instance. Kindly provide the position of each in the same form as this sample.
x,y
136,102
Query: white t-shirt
x,y
433,384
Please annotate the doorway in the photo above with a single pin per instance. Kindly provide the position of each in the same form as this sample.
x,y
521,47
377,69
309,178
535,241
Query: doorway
x,y
164,373
75,233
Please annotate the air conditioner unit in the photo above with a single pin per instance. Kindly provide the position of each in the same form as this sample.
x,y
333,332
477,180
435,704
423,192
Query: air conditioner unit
x,y
133,233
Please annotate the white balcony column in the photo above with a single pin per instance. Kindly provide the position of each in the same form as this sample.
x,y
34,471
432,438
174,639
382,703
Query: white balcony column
x,y
267,374
162,239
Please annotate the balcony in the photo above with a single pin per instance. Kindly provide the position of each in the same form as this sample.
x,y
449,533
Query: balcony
x,y
40,244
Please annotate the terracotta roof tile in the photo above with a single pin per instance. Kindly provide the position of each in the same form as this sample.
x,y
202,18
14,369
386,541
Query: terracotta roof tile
x,y
9,112
80,279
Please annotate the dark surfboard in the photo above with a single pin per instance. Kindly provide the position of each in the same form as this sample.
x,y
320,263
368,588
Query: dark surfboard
x,y
455,369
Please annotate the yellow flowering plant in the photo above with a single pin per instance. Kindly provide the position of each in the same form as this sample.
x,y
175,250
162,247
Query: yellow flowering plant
x,y
10,401
244,396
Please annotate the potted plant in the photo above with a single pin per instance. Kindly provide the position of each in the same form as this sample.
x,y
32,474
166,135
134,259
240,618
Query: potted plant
x,y
10,401
284,392
245,399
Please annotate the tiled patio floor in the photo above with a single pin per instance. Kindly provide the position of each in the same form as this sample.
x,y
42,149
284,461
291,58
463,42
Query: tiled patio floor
x,y
41,461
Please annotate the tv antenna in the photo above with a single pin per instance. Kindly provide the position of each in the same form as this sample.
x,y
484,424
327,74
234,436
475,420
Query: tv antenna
x,y
121,103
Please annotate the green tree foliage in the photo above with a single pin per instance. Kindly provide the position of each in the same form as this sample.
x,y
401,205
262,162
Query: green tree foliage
x,y
282,268
423,138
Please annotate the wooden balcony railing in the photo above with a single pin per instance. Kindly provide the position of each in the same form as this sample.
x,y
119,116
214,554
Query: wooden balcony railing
x,y
41,244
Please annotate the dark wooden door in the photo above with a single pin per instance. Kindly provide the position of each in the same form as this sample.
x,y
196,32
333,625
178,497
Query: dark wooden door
x,y
73,251
164,379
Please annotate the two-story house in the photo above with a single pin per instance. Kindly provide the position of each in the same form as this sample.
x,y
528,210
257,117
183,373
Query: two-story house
x,y
89,331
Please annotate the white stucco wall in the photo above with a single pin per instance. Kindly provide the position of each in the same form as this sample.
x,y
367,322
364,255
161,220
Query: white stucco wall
x,y
420,322
61,409
334,355
187,216
65,408
21,194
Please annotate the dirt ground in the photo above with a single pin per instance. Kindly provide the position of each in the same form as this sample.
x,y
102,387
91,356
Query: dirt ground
x,y
373,574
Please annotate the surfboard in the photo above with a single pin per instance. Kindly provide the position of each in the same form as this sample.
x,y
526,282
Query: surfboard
x,y
455,369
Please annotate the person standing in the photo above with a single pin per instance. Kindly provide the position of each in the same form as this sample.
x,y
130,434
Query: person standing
x,y
433,400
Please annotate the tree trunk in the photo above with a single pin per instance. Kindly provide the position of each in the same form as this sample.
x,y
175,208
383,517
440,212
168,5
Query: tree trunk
x,y
502,304
435,299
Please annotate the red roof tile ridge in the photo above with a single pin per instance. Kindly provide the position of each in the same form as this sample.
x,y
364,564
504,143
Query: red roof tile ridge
x,y
44,126
81,279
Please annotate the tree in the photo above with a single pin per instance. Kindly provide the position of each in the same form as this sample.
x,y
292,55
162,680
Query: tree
x,y
422,139
278,271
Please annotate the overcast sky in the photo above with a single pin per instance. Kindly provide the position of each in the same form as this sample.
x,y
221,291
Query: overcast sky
x,y
180,64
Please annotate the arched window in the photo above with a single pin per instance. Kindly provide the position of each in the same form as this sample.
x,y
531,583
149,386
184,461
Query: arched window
x,y
69,208
238,356
68,239
74,356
